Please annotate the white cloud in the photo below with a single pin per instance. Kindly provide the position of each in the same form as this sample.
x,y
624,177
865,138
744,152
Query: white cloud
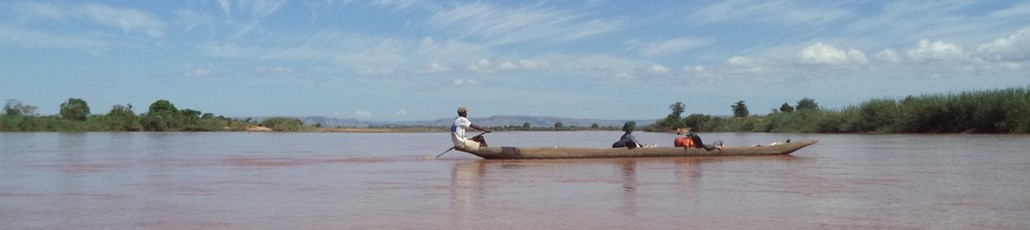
x,y
376,71
257,8
824,54
246,16
271,70
889,55
395,4
434,68
777,11
701,72
671,46
1018,10
401,112
624,76
463,82
358,51
1015,47
482,66
225,6
746,65
33,38
128,20
594,64
190,19
41,10
695,69
199,72
740,61
658,70
936,51
507,66
224,50
361,114
487,66
534,64
507,25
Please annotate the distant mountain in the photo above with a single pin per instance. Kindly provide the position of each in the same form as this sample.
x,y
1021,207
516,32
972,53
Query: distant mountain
x,y
493,121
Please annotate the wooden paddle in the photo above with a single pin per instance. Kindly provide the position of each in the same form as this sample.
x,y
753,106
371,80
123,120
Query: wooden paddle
x,y
452,147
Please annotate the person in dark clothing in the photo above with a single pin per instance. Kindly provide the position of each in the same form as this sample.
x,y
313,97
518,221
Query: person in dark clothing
x,y
627,140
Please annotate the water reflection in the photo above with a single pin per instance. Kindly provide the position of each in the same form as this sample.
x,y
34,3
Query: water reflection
x,y
478,182
629,185
467,187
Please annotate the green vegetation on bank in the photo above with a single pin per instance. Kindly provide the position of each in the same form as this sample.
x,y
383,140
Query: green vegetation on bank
x,y
162,115
990,111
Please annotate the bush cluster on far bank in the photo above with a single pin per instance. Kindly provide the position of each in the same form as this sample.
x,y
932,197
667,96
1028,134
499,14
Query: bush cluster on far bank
x,y
162,115
990,111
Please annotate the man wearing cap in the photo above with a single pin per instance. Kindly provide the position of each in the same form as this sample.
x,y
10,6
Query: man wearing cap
x,y
458,128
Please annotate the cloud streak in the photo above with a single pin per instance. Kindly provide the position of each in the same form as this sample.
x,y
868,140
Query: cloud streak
x,y
504,26
126,19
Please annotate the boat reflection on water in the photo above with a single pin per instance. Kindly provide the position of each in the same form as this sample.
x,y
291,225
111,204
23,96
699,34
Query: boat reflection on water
x,y
466,185
488,192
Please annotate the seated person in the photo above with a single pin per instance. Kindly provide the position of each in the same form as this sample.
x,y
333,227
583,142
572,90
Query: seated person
x,y
627,140
687,139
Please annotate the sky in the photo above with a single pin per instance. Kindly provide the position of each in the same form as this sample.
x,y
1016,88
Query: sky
x,y
406,60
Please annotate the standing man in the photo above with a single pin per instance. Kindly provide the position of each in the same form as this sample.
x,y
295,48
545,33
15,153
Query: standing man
x,y
458,128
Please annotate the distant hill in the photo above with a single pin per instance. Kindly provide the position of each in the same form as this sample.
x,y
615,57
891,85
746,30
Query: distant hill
x,y
493,121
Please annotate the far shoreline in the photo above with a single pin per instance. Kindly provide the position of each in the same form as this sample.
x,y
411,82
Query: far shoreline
x,y
351,130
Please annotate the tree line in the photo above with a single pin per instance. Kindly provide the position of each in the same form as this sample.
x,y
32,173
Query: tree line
x,y
162,115
987,111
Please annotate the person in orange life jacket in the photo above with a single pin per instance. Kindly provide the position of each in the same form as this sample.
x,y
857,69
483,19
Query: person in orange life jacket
x,y
687,139
458,128
627,140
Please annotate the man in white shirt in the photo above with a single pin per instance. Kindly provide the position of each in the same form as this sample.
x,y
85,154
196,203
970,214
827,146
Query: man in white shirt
x,y
458,128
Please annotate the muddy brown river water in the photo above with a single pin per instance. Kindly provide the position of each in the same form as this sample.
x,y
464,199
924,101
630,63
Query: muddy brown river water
x,y
243,180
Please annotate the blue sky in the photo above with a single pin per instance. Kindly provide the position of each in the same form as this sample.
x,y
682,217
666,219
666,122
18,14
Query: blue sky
x,y
417,60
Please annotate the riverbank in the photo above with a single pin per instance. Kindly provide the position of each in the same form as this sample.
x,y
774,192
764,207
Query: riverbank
x,y
258,128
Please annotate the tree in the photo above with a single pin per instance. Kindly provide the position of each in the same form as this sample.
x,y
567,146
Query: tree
x,y
807,103
162,106
16,108
525,126
677,110
672,121
595,126
121,118
696,121
74,109
740,109
786,108
161,117
559,125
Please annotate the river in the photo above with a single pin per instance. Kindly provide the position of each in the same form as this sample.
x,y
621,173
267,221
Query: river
x,y
239,180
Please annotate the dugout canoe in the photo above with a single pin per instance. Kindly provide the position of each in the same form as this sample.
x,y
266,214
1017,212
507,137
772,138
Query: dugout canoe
x,y
506,152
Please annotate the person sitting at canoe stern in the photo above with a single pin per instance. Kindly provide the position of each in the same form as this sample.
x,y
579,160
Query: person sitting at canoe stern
x,y
458,131
627,140
687,139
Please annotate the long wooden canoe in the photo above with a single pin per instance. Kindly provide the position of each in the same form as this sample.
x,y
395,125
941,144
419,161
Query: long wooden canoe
x,y
572,152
